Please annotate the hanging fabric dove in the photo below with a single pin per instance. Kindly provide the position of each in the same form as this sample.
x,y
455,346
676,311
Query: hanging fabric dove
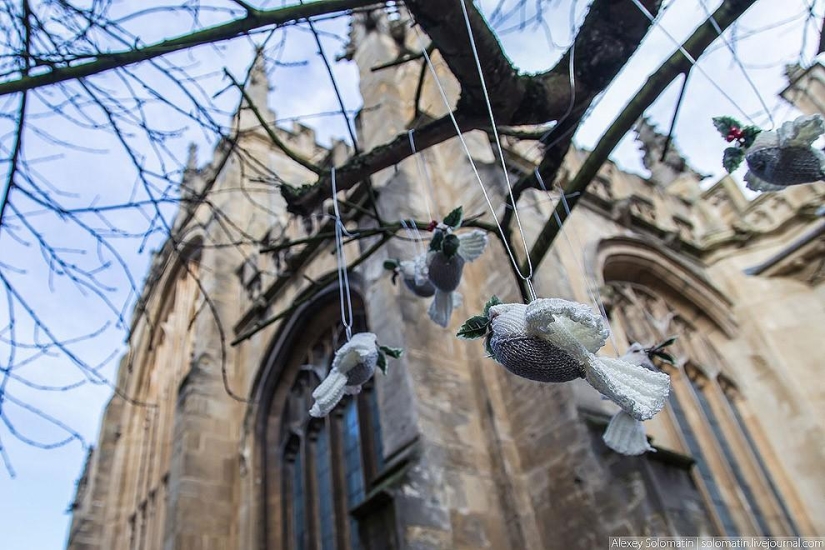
x,y
445,262
553,340
775,159
414,273
625,434
353,365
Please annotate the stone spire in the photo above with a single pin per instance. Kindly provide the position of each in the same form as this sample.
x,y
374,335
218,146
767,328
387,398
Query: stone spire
x,y
666,166
257,88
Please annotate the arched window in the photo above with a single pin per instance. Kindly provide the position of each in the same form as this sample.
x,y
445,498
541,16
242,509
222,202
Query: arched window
x,y
738,489
320,472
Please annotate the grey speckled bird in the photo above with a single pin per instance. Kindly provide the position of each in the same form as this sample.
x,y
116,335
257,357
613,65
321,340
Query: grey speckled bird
x,y
786,157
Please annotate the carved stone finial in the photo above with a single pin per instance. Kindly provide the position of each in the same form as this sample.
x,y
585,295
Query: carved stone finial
x,y
665,165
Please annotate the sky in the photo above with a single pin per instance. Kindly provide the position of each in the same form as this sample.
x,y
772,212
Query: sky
x,y
33,505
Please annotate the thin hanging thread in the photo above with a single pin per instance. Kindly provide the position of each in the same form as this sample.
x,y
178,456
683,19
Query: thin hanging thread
x,y
527,279
343,275
739,63
424,174
691,59
592,287
475,171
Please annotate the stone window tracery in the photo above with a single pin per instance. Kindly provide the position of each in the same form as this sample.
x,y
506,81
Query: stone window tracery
x,y
738,488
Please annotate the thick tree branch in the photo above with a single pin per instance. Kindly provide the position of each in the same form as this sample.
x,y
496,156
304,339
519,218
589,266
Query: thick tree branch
x,y
303,200
677,64
253,20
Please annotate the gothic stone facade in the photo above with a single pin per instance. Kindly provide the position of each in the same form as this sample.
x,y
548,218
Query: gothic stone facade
x,y
449,450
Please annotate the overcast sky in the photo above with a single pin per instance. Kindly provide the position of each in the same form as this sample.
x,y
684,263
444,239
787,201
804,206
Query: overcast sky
x,y
33,506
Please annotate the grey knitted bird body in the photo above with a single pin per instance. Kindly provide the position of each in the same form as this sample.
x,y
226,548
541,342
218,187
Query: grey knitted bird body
x,y
535,359
527,356
445,273
786,157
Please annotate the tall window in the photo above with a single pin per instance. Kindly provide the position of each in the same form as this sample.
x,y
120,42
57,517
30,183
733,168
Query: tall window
x,y
327,466
738,488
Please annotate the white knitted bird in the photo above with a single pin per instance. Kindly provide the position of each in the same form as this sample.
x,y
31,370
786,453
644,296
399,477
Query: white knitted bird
x,y
625,434
775,159
445,262
554,340
353,365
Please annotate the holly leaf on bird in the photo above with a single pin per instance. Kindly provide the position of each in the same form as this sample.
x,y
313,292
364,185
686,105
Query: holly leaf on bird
x,y
732,158
493,301
724,124
395,353
454,218
382,362
474,327
437,241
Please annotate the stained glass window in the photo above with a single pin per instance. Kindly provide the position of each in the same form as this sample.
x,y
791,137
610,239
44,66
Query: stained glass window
x,y
328,465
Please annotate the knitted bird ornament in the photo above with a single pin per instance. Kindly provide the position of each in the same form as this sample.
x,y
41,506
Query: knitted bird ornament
x,y
353,365
625,434
553,340
414,273
775,159
445,261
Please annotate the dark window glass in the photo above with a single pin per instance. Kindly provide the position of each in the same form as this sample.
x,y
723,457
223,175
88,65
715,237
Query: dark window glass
x,y
325,491
299,524
765,471
729,456
704,471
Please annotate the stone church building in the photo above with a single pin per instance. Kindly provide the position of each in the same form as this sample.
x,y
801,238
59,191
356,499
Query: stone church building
x,y
449,450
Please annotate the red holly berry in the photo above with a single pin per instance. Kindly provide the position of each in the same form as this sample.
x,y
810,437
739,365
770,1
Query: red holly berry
x,y
433,224
734,134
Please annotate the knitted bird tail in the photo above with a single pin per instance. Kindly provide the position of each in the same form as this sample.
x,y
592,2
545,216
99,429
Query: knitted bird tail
x,y
328,394
626,435
442,307
641,393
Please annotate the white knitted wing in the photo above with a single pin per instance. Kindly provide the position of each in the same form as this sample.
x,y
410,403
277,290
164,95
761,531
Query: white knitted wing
x,y
548,315
357,350
472,244
802,131
626,435
441,308
641,393
328,394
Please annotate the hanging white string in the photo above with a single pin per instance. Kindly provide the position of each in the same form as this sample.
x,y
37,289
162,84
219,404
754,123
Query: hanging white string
x,y
739,63
592,287
691,59
527,279
343,275
463,142
424,174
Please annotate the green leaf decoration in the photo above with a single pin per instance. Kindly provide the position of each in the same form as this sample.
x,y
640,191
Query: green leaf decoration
x,y
732,158
724,123
454,218
391,265
474,327
665,357
749,134
395,353
487,344
382,363
437,240
450,245
669,342
493,301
